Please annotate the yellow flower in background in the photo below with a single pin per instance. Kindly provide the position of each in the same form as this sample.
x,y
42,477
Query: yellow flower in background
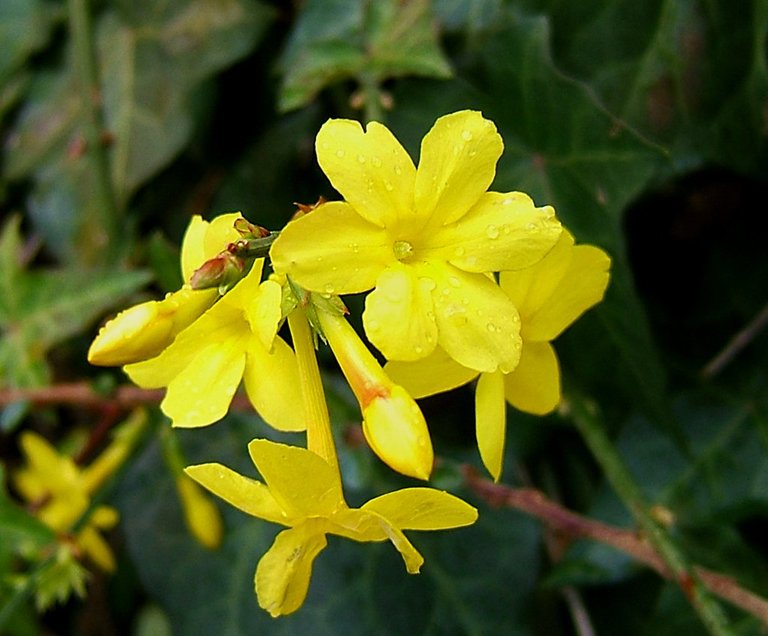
x,y
234,340
422,239
144,330
393,423
303,492
60,492
549,296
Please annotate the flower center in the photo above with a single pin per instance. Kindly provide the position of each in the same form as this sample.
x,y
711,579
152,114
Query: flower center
x,y
402,250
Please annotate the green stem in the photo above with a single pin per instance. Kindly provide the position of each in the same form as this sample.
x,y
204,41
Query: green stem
x,y
592,430
99,230
319,437
372,99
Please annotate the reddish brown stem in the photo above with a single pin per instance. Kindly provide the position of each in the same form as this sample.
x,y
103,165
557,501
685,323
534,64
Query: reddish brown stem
x,y
576,526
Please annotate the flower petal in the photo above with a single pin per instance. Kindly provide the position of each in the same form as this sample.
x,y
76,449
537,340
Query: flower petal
x,y
457,164
370,169
202,392
436,373
97,549
283,574
579,285
301,481
249,495
478,325
491,421
422,509
200,513
501,231
203,240
534,385
398,317
273,386
332,250
413,560
263,311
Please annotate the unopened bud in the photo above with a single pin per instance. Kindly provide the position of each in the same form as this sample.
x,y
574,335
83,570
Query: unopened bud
x,y
250,230
221,271
200,513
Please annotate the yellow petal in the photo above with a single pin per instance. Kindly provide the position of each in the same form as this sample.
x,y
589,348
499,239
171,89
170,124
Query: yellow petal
x,y
201,393
581,286
534,386
263,311
47,471
422,509
301,481
332,250
399,318
413,560
436,373
370,169
200,513
457,164
283,574
478,325
273,386
204,240
491,421
104,517
249,495
396,431
97,549
501,231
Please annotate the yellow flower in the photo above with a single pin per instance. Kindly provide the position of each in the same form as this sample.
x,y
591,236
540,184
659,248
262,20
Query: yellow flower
x,y
549,296
144,330
423,238
60,492
392,421
302,492
234,340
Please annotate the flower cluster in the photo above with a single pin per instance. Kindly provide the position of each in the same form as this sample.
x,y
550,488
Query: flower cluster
x,y
463,283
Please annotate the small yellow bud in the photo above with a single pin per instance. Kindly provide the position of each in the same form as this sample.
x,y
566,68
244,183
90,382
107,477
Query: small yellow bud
x,y
397,432
392,421
142,332
200,513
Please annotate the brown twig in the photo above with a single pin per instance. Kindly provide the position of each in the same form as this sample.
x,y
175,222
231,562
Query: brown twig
x,y
735,345
84,395
560,519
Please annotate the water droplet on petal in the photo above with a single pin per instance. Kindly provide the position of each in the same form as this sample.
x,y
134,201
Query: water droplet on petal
x,y
459,251
466,135
376,162
373,325
508,201
361,158
340,153
491,327
455,282
428,283
398,170
418,349
492,232
329,288
530,226
388,185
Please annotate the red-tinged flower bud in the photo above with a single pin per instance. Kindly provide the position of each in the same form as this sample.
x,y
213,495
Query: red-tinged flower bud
x,y
222,271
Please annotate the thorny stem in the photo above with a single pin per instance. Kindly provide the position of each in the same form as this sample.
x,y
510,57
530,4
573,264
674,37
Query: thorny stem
x,y
575,526
99,231
593,432
319,437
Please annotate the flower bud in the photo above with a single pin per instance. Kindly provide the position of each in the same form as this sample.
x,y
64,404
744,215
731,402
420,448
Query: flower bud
x,y
200,513
141,332
392,421
397,432
222,271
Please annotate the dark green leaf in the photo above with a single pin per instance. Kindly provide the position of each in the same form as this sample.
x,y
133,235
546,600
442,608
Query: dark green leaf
x,y
339,40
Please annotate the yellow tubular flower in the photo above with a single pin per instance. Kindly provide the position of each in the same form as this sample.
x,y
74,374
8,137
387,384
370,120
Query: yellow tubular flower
x,y
422,239
234,340
144,330
200,513
392,421
302,492
549,296
61,492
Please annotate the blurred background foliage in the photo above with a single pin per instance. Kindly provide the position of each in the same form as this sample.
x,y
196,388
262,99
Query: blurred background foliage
x,y
644,123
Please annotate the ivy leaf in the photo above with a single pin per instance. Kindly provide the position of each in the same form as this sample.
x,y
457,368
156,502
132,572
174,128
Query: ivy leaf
x,y
154,59
25,26
339,40
40,309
